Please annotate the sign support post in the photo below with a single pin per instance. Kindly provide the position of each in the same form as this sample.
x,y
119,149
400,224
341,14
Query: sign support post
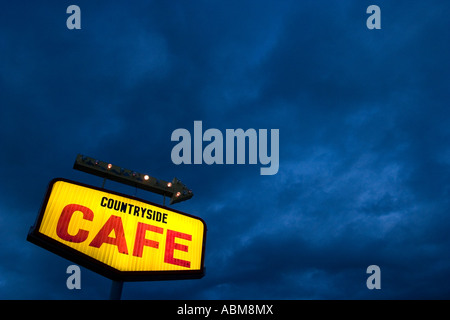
x,y
116,290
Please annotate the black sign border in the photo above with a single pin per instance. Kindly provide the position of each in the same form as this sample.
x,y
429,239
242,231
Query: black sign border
x,y
64,251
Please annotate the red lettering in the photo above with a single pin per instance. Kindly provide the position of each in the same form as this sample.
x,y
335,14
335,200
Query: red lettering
x,y
140,241
113,223
171,246
62,228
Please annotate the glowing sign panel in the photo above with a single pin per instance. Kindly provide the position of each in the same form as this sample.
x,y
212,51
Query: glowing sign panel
x,y
119,236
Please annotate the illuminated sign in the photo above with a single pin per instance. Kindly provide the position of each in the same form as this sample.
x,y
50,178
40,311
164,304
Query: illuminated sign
x,y
119,236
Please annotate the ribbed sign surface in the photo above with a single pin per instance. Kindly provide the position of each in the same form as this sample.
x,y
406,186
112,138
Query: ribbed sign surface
x,y
119,236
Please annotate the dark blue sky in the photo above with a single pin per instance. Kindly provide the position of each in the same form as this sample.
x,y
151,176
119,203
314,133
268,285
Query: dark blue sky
x,y
364,138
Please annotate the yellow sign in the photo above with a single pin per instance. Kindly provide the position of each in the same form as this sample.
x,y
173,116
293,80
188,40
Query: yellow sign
x,y
129,235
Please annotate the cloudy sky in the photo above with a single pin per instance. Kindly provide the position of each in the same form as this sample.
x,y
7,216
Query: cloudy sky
x,y
364,138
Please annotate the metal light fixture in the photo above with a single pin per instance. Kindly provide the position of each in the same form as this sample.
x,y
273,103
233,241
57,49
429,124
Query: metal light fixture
x,y
174,189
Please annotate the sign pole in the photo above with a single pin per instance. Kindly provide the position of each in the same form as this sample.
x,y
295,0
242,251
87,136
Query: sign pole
x,y
116,290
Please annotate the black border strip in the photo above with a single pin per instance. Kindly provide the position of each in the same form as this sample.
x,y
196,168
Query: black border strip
x,y
39,239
